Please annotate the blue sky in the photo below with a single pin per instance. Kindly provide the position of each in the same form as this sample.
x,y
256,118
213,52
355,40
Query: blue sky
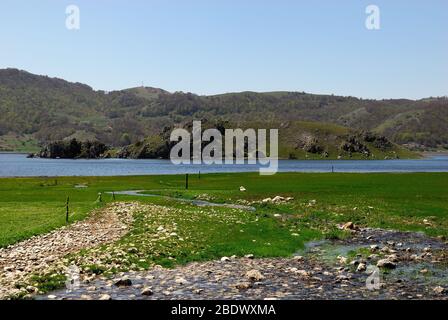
x,y
209,47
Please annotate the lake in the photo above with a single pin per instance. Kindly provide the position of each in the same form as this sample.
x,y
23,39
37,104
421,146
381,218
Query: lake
x,y
18,165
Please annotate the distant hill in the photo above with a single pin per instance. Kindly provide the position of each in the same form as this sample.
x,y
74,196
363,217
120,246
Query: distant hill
x,y
38,109
297,140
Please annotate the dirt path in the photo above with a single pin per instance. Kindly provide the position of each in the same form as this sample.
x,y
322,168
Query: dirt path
x,y
19,261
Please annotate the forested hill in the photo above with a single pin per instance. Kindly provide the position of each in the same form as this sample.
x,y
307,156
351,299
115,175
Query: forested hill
x,y
37,109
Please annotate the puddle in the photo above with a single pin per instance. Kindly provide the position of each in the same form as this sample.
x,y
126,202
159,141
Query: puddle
x,y
436,275
199,203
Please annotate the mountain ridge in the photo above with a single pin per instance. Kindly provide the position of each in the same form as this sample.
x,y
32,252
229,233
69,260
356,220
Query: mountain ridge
x,y
39,109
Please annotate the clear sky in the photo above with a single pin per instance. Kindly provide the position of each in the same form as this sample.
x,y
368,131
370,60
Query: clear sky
x,y
211,46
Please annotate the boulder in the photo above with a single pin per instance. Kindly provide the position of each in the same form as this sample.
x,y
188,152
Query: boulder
x,y
386,263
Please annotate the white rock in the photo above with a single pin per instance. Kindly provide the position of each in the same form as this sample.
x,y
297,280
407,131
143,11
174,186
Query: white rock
x,y
254,275
181,281
439,290
386,263
361,267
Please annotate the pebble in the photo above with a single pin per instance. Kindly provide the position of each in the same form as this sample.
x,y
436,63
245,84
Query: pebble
x,y
254,275
439,290
123,283
147,292
361,267
386,263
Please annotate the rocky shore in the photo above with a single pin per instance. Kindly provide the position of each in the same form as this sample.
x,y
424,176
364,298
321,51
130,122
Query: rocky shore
x,y
369,264
47,252
409,266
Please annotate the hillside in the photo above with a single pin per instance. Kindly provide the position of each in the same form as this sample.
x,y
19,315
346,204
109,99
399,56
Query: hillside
x,y
297,140
38,109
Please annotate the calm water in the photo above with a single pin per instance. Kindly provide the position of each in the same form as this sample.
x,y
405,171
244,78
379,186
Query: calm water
x,y
17,165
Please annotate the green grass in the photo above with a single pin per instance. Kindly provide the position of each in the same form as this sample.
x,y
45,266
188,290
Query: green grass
x,y
18,143
30,206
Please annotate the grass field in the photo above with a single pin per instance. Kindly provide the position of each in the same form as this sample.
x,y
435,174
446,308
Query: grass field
x,y
30,206
419,201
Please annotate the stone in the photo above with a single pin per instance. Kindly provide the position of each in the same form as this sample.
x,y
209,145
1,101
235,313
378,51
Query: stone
x,y
147,292
439,290
254,275
392,257
242,189
361,267
348,226
278,199
105,297
181,281
225,259
243,285
249,256
342,260
386,263
123,283
51,296
302,273
31,289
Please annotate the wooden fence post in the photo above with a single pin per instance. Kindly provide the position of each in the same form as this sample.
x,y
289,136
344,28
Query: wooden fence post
x,y
186,181
66,209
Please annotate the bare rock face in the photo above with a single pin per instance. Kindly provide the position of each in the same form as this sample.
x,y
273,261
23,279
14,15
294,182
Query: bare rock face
x,y
309,143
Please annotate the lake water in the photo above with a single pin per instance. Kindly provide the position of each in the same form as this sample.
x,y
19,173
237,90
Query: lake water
x,y
18,165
